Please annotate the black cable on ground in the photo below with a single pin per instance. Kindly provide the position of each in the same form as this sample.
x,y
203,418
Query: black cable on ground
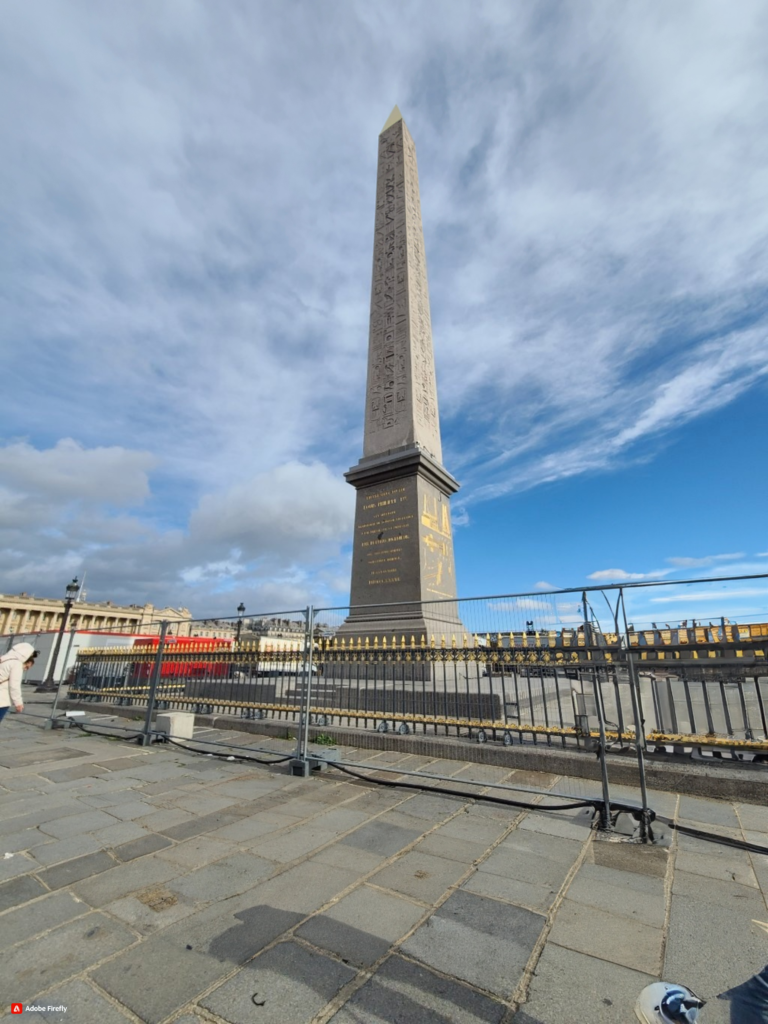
x,y
713,837
89,732
236,757
457,792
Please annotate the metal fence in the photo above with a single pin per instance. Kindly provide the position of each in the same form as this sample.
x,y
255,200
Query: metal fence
x,y
543,668
538,668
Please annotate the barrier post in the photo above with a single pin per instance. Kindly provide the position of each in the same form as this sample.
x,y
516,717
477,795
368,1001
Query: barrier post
x,y
300,762
146,735
49,723
646,835
605,812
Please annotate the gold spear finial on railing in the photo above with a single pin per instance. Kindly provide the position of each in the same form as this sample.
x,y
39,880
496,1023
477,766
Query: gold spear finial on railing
x,y
442,639
413,640
453,640
402,641
367,643
384,642
375,643
464,641
432,640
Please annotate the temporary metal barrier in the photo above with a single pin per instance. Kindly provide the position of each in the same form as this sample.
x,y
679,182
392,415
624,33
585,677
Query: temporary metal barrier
x,y
497,674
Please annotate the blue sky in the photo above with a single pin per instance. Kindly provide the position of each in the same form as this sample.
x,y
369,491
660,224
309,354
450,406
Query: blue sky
x,y
187,203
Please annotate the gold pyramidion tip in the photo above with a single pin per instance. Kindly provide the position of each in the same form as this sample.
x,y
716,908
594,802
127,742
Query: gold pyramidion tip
x,y
393,118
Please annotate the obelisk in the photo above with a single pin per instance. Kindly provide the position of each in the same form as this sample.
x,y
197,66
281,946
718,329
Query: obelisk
x,y
403,546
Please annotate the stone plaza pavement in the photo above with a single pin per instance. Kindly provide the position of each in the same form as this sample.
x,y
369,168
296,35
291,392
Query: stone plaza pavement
x,y
156,884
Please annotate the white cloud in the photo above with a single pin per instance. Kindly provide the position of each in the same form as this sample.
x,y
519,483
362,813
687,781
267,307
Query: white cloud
x,y
697,563
722,597
621,576
68,472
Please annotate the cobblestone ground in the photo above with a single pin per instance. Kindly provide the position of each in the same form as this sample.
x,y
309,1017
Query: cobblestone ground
x,y
156,884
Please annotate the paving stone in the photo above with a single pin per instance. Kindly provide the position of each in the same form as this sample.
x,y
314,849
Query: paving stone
x,y
342,819
530,857
120,879
65,849
38,963
524,894
570,986
202,804
141,846
404,991
131,809
77,824
381,838
695,844
361,927
723,893
84,1005
20,890
420,875
711,942
15,865
198,826
153,980
246,789
432,808
120,763
151,909
117,835
195,853
711,812
451,848
610,937
288,846
223,879
478,941
348,858
293,982
591,888
24,922
27,839
62,809
164,819
20,759
81,771
734,867
156,788
639,859
753,818
469,828
74,870
247,829
577,826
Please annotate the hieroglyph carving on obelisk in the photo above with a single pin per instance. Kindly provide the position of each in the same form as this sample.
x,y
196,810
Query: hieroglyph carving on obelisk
x,y
401,406
403,547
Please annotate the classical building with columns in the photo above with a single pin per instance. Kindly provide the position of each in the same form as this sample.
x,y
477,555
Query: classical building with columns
x,y
21,613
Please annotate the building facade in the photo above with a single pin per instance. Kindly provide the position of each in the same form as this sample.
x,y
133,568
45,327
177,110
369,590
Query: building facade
x,y
21,613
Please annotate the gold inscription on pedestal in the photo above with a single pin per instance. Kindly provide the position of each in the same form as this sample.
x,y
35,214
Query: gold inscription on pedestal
x,y
385,524
436,547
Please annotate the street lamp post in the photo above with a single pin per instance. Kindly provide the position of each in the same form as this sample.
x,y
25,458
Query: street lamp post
x,y
72,590
240,613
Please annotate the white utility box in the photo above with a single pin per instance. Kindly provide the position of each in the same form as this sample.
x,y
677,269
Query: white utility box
x,y
179,725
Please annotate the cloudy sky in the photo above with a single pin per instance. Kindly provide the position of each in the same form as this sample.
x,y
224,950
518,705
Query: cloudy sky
x,y
187,197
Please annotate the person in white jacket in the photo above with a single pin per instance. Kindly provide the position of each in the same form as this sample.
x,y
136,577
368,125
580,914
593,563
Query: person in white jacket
x,y
12,666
